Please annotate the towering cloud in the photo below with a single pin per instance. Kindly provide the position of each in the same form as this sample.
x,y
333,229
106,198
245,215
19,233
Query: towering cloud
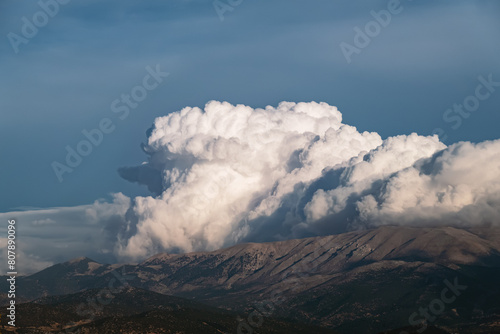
x,y
228,174
228,164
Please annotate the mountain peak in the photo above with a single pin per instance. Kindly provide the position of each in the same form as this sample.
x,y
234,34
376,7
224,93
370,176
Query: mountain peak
x,y
157,257
81,259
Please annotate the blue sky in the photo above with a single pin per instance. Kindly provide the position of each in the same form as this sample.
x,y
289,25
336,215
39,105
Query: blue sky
x,y
65,78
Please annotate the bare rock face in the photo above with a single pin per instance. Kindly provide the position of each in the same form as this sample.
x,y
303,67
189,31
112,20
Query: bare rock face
x,y
250,264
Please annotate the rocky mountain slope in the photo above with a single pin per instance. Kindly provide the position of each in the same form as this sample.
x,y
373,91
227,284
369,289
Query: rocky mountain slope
x,y
361,282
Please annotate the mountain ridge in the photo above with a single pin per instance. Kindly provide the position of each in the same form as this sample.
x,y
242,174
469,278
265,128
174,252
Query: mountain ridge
x,y
361,281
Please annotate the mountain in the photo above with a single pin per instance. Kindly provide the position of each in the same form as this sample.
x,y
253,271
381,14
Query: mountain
x,y
359,282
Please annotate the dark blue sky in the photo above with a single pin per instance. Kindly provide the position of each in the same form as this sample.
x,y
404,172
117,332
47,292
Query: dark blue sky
x,y
64,78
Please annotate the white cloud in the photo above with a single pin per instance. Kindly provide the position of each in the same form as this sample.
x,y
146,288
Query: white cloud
x,y
460,186
48,236
232,173
228,174
230,163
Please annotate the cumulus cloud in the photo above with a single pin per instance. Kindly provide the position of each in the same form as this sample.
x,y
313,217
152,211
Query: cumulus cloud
x,y
228,164
229,174
233,173
457,186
